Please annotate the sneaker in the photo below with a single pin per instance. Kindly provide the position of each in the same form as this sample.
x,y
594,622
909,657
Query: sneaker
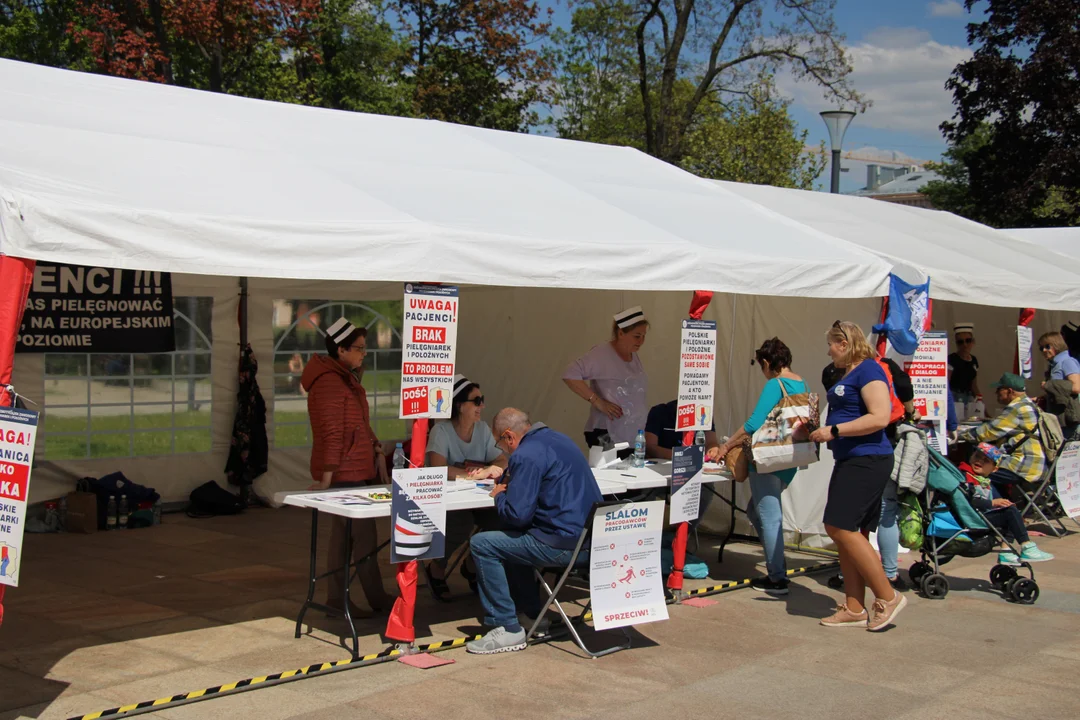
x,y
544,628
770,587
1031,553
1008,559
499,640
885,612
845,618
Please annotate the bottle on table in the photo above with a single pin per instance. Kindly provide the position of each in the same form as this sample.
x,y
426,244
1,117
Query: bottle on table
x,y
639,449
122,513
110,514
699,438
400,463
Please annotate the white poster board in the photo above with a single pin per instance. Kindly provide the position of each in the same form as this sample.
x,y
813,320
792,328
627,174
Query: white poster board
x,y
418,513
1024,340
686,471
626,585
18,431
428,350
929,372
697,375
1067,476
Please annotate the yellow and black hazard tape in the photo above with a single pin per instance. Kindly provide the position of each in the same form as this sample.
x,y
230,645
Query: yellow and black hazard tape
x,y
727,587
389,653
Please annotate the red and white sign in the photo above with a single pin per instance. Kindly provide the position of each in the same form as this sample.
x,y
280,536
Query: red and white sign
x,y
697,376
18,431
625,583
429,349
929,371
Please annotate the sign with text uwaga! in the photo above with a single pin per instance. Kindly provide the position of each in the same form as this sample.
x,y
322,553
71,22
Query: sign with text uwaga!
x,y
18,429
429,346
697,375
72,308
625,583
929,372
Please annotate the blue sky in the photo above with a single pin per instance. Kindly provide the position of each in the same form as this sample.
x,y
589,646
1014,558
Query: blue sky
x,y
902,51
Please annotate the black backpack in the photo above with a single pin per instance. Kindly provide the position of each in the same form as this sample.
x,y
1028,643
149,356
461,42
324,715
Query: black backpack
x,y
210,500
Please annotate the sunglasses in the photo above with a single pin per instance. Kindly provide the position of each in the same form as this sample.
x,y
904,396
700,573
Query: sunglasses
x,y
838,326
967,341
1044,347
477,401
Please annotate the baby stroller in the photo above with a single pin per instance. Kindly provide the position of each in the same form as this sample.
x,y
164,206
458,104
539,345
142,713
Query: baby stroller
x,y
951,527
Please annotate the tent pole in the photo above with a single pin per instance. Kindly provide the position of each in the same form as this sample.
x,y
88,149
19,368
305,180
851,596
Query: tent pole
x,y
731,358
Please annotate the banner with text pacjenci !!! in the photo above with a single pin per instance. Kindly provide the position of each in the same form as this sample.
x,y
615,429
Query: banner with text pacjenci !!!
x,y
697,375
77,309
18,430
429,346
625,582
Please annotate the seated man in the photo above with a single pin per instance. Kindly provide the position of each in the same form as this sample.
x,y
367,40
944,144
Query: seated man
x,y
1015,431
660,438
1002,513
545,497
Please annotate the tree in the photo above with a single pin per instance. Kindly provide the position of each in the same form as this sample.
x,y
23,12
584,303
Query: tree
x,y
36,31
1015,138
476,62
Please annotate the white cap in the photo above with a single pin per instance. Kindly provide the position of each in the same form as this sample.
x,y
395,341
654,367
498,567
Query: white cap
x,y
629,316
962,327
460,383
340,330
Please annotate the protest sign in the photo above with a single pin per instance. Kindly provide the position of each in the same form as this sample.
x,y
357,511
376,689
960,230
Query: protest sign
x,y
418,514
1068,479
686,469
18,431
929,372
697,375
72,308
626,586
1024,338
428,350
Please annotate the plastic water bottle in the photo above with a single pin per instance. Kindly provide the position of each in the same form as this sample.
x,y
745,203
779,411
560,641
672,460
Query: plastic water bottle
x,y
639,449
52,517
110,514
122,513
699,438
400,463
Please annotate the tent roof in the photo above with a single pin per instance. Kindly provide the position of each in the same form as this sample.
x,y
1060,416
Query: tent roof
x,y
97,170
1064,240
965,261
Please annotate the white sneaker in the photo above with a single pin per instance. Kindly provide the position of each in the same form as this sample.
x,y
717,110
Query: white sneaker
x,y
499,640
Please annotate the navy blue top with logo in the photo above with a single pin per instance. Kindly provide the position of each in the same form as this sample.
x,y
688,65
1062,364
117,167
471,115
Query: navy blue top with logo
x,y
846,404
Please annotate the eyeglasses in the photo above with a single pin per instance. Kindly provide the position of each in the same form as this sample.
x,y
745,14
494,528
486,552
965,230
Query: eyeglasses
x,y
503,442
477,401
362,349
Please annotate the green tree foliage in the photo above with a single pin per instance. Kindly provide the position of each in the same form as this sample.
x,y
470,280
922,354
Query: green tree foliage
x,y
1014,159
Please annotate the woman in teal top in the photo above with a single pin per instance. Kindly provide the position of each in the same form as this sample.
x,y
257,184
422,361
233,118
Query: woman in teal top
x,y
764,510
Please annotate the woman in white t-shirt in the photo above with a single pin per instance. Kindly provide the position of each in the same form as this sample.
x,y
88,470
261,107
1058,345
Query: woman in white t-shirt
x,y
613,381
463,443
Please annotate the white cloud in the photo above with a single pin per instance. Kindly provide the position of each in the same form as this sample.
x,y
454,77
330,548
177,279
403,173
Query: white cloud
x,y
903,72
945,9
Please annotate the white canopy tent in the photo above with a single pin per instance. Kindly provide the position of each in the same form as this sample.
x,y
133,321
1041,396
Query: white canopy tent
x,y
548,238
1064,240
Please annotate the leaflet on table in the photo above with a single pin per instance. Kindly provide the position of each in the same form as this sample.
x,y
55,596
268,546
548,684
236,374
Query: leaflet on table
x,y
687,465
418,510
1024,339
929,372
18,431
1068,479
626,587
428,350
697,375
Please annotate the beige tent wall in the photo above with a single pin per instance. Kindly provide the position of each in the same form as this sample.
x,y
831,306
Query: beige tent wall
x,y
516,342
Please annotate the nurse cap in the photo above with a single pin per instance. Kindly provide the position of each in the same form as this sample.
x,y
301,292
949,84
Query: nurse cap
x,y
629,316
460,383
964,327
340,330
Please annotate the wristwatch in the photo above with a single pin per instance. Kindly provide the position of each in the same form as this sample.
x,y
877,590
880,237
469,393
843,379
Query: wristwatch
x,y
835,430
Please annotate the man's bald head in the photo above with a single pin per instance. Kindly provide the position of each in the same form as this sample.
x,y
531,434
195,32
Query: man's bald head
x,y
512,419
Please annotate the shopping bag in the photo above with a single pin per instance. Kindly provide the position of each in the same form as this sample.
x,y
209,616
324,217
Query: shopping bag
x,y
783,441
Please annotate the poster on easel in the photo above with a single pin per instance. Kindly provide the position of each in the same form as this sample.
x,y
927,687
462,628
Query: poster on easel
x,y
18,432
625,583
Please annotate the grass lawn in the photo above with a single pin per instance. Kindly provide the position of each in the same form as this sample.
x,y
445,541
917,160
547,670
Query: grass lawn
x,y
154,436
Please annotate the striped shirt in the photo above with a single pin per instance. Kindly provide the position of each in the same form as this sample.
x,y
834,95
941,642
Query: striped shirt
x,y
1014,430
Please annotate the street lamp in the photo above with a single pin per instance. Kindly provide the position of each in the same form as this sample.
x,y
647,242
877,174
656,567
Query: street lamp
x,y
837,121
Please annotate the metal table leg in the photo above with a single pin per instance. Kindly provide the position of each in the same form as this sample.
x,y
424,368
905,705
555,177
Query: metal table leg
x,y
348,581
312,576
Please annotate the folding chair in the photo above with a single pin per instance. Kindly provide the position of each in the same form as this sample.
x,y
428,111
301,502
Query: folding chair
x,y
1038,502
578,573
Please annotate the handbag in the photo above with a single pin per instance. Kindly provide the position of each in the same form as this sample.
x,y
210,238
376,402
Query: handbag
x,y
783,440
737,462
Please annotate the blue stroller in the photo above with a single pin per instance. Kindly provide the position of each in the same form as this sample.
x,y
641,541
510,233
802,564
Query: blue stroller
x,y
951,527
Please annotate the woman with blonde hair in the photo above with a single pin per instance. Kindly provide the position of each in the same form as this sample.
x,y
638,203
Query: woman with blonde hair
x,y
859,409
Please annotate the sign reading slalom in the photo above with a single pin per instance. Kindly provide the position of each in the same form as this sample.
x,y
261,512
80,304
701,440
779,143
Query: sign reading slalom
x,y
18,431
429,346
626,587
697,375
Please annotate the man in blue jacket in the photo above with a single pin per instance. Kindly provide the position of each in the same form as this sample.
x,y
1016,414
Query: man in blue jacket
x,y
543,498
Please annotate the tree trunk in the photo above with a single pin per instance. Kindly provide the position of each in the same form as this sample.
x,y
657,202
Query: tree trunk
x,y
165,66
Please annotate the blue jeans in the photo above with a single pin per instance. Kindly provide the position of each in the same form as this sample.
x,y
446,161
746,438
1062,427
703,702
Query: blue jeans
x,y
504,568
767,517
888,532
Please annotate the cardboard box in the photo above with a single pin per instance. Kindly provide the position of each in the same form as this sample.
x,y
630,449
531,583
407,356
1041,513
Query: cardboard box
x,y
82,513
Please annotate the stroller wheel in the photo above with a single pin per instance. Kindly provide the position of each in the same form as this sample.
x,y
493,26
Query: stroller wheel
x,y
917,572
1025,591
1000,574
935,586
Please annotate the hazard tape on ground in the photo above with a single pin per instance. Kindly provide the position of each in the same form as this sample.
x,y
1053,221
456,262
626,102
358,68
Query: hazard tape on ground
x,y
389,653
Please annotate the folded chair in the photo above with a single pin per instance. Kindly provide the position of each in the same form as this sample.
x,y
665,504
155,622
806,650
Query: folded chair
x,y
1040,501
579,579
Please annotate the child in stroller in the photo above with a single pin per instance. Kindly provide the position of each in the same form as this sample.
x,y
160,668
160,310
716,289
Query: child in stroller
x,y
951,527
1000,512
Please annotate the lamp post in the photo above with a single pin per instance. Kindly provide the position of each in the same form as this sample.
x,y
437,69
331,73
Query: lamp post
x,y
837,121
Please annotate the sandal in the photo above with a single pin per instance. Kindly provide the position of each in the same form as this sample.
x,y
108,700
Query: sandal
x,y
470,576
438,587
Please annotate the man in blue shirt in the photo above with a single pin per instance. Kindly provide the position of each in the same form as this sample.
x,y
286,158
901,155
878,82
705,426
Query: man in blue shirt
x,y
544,498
